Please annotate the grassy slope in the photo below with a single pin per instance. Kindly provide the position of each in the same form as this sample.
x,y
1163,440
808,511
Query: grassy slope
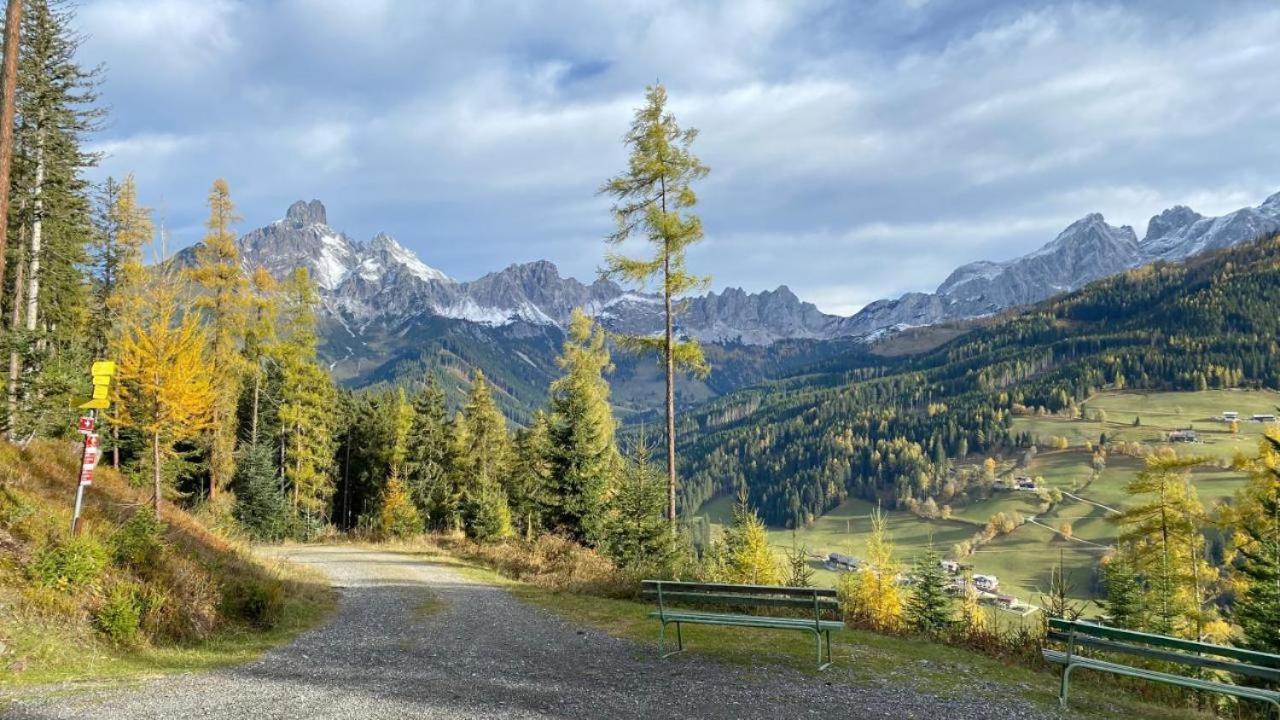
x,y
49,631
1023,560
862,657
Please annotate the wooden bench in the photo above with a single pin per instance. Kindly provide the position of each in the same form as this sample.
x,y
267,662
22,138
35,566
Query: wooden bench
x,y
734,600
1077,635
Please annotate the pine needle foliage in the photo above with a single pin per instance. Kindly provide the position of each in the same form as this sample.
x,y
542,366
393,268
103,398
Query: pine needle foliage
x,y
929,605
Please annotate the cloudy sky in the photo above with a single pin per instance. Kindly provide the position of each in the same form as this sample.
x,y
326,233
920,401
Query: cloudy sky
x,y
858,150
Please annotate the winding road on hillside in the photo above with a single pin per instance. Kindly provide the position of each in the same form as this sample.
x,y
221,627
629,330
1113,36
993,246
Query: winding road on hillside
x,y
414,638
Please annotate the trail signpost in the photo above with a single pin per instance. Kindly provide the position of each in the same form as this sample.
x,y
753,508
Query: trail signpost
x,y
102,372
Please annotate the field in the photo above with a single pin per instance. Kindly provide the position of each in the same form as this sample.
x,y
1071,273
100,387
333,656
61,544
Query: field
x,y
1024,559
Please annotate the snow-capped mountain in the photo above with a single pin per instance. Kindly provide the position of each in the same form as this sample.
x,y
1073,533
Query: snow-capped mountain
x,y
381,281
1089,249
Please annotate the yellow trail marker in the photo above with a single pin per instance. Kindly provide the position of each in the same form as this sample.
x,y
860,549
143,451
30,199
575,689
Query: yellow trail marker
x,y
103,367
97,404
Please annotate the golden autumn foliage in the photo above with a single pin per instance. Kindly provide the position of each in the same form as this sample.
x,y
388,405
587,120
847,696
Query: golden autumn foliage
x,y
165,385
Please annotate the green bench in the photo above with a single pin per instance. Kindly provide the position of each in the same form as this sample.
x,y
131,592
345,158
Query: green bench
x,y
731,603
1076,635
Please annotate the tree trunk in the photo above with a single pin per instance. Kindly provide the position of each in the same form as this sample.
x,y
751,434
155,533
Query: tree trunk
x,y
671,365
8,84
155,469
15,361
257,390
37,235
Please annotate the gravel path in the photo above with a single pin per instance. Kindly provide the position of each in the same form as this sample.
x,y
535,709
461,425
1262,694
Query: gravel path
x,y
485,654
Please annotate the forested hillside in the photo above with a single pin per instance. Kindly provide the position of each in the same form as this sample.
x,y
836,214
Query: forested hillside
x,y
883,429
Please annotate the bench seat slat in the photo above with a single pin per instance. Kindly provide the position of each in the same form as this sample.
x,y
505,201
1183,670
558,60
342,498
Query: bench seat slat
x,y
1061,658
1262,673
1252,657
746,620
674,586
676,596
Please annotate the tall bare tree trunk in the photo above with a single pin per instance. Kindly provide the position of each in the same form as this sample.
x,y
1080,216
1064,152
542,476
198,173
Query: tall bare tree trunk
x,y
8,84
671,368
257,395
37,235
15,361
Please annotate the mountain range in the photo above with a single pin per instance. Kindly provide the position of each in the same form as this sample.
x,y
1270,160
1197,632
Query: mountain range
x,y
385,312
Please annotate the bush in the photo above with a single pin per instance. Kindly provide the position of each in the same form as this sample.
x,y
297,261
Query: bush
x,y
120,615
258,602
74,562
140,541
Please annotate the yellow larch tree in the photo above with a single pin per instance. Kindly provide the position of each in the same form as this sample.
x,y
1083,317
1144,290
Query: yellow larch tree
x,y
125,302
221,295
165,385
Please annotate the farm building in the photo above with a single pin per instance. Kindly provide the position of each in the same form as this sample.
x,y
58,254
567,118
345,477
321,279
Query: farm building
x,y
1183,436
1264,418
1230,416
1023,482
986,583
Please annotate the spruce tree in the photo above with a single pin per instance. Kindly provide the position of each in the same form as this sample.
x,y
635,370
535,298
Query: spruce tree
x,y
750,559
799,573
397,516
1124,602
585,455
929,606
653,197
430,458
637,535
260,506
222,295
484,460
532,489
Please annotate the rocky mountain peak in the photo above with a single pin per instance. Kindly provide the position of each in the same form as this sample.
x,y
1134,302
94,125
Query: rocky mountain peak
x,y
1170,221
302,213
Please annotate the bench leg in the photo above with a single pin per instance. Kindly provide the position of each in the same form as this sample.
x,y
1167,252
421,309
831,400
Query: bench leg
x,y
662,642
1062,688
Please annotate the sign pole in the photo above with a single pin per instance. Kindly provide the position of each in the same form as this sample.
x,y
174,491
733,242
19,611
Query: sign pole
x,y
101,372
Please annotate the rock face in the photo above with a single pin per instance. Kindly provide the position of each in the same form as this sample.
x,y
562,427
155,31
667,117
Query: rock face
x,y
1089,249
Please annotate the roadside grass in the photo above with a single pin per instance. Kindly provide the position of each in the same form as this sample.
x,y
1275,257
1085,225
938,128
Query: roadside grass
x,y
861,657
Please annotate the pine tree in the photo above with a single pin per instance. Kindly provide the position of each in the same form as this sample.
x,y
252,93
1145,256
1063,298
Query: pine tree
x,y
637,535
799,573
653,199
750,559
222,296
487,513
307,402
164,378
430,458
929,607
260,506
585,455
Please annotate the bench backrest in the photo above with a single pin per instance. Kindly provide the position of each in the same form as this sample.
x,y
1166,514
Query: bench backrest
x,y
666,592
1162,647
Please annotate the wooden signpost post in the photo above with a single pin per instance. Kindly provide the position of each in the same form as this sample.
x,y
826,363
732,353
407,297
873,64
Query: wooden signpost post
x,y
102,372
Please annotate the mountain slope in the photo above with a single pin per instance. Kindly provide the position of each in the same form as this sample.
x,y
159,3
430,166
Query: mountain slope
x,y
881,428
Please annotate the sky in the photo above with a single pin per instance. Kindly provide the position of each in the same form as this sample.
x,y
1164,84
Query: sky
x,y
858,150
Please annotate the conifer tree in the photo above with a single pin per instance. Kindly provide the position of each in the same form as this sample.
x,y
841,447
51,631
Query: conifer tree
x,y
164,378
429,460
750,559
307,401
653,197
260,506
1257,523
585,455
397,516
872,595
47,305
971,613
484,460
532,480
637,535
222,296
929,607
1163,532
799,573
260,336
1124,602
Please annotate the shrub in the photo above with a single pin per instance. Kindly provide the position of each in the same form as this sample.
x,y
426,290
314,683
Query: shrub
x,y
140,541
256,601
119,616
74,562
